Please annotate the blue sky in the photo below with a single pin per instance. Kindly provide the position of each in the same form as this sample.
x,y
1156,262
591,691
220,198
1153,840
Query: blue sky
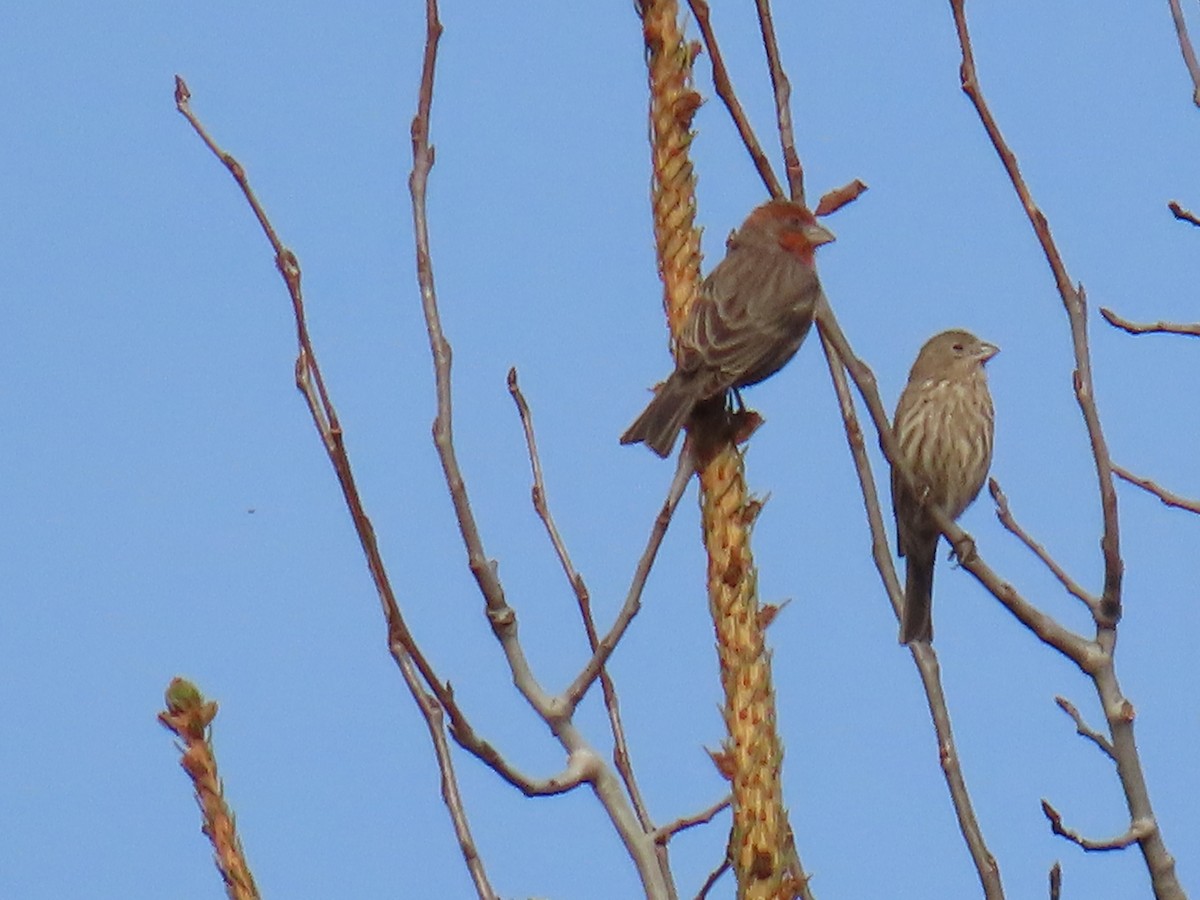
x,y
169,510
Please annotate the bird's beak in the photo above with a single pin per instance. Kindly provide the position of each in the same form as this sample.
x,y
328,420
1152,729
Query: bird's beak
x,y
987,351
818,234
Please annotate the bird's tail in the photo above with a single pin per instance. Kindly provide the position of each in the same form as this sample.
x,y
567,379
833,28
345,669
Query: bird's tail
x,y
916,623
661,421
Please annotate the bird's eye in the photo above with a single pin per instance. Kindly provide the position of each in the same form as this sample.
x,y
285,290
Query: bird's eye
x,y
958,348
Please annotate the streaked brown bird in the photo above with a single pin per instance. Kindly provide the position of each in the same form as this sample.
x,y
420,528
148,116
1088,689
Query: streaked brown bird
x,y
749,319
944,424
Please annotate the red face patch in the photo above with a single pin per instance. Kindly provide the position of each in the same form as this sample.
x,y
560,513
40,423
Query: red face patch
x,y
797,244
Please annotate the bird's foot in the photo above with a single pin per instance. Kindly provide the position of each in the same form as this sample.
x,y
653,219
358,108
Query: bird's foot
x,y
963,551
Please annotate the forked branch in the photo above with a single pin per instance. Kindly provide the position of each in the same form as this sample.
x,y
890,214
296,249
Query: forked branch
x,y
1098,660
416,670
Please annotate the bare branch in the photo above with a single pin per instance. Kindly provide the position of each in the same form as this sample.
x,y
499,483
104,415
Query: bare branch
x,y
666,832
1168,498
1010,523
839,197
583,600
931,680
633,600
584,765
1182,214
1098,661
1075,302
1138,831
711,881
1191,329
782,89
832,201
880,547
402,642
725,91
414,667
1056,881
501,616
1083,729
1185,47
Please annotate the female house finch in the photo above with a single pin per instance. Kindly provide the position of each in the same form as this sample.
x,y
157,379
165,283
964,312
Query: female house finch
x,y
750,316
944,426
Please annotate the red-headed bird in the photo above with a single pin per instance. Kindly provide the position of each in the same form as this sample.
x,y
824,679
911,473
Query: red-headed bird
x,y
750,317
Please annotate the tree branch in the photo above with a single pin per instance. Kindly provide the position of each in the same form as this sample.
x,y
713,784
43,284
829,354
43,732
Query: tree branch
x,y
1191,329
584,765
835,199
1010,523
1168,498
1083,729
1138,831
1185,47
1075,302
1182,214
414,667
633,599
1098,661
782,88
724,88
666,832
612,704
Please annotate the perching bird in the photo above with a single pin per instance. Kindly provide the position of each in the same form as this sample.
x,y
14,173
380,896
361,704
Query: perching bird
x,y
749,319
944,425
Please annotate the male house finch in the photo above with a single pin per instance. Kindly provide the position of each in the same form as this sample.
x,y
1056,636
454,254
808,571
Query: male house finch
x,y
750,316
944,425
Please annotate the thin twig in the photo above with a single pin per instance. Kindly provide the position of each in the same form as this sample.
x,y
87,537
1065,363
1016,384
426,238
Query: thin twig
x,y
1185,47
931,680
1056,881
880,547
835,199
1182,214
711,881
1191,329
1168,498
1075,302
501,616
1004,514
724,88
633,599
782,89
666,832
1138,831
1083,729
582,598
923,654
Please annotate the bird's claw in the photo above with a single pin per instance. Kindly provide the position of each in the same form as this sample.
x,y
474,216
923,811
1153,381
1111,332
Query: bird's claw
x,y
962,551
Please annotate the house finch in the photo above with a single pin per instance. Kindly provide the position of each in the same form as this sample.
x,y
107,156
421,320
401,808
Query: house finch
x,y
944,425
750,316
